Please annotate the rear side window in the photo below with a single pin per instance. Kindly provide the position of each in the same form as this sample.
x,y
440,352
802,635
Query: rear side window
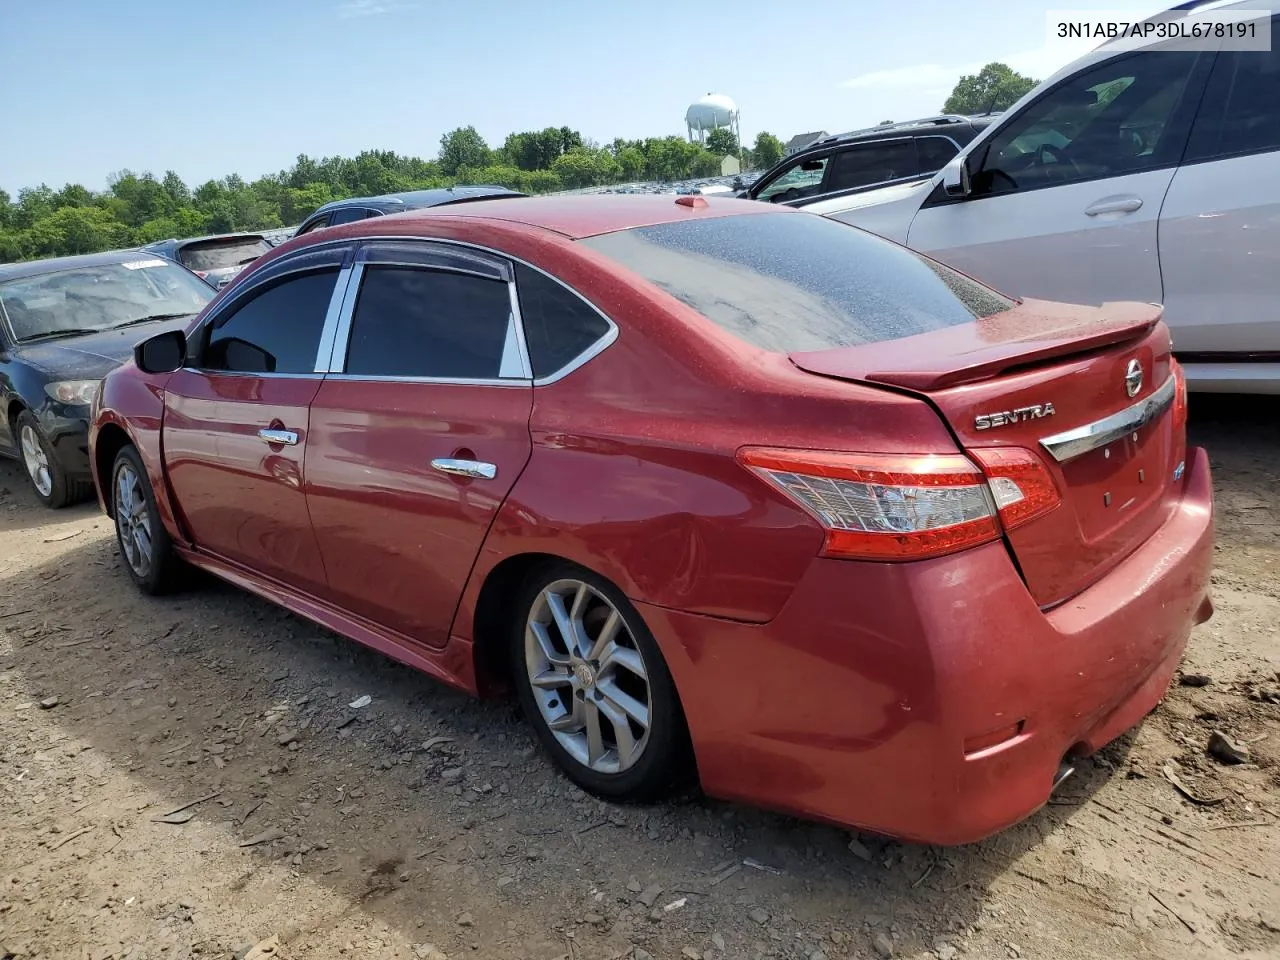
x,y
935,153
411,322
558,324
800,181
276,331
1241,109
220,254
349,215
871,163
794,283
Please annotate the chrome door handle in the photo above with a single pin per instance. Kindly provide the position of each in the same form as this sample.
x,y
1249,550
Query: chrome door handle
x,y
1113,205
465,468
286,437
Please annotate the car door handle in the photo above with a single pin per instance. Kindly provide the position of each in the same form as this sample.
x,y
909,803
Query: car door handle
x,y
465,468
286,437
1113,205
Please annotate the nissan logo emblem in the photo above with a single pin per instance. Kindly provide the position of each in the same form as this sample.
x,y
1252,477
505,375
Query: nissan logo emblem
x,y
1133,378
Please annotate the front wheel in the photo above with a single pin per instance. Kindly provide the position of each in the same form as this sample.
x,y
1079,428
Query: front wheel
x,y
144,543
594,684
48,477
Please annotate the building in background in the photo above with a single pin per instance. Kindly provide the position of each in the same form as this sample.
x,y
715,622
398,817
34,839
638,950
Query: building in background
x,y
715,111
802,140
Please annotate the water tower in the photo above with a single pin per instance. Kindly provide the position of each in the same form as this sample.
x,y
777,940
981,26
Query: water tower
x,y
712,112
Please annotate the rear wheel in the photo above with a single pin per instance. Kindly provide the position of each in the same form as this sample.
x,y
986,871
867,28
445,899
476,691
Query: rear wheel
x,y
593,683
45,472
144,543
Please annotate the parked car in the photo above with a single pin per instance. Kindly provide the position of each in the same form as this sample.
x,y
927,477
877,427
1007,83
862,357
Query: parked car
x,y
63,324
1149,174
361,208
869,541
849,163
216,258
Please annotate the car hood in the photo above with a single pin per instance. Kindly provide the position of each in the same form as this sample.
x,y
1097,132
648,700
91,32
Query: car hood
x,y
93,355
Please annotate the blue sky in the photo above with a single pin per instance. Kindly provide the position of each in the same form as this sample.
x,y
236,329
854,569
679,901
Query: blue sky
x,y
243,86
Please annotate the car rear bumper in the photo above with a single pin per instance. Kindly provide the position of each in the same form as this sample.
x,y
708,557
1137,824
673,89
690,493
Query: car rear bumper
x,y
935,701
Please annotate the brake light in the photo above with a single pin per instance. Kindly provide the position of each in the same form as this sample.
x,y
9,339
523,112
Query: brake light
x,y
1021,484
1179,397
884,506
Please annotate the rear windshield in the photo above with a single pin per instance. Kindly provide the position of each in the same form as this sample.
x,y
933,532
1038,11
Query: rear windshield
x,y
799,282
219,254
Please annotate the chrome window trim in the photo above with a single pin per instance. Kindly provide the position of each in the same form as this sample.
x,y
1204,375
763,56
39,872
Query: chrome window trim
x,y
516,331
1074,443
342,330
324,350
599,346
442,381
309,375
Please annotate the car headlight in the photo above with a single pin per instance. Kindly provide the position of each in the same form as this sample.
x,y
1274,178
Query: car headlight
x,y
79,392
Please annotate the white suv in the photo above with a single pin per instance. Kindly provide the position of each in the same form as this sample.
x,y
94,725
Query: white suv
x,y
1150,175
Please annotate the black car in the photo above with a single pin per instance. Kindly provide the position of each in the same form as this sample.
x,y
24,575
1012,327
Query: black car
x,y
866,159
361,208
64,324
216,258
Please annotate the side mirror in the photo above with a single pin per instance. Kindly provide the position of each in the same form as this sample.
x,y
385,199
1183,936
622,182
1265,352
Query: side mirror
x,y
163,353
956,179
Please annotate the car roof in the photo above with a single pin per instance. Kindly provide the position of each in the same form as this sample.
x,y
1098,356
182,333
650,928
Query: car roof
x,y
36,268
419,199
247,234
577,217
910,128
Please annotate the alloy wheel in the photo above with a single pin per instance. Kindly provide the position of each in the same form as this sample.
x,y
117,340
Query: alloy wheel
x,y
36,461
133,520
588,676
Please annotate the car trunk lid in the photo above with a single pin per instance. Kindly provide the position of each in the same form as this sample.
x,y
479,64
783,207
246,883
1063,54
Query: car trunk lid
x,y
1087,389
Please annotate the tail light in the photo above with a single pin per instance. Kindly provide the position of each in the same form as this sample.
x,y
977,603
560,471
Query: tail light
x,y
907,507
1020,483
202,274
1179,397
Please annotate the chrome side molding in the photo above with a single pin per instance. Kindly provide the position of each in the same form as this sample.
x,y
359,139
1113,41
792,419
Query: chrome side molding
x,y
1072,443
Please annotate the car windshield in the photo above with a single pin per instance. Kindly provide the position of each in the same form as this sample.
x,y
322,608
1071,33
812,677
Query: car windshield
x,y
221,254
793,283
100,297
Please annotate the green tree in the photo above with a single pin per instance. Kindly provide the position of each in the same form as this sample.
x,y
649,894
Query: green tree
x,y
995,87
722,142
463,147
631,161
767,150
583,167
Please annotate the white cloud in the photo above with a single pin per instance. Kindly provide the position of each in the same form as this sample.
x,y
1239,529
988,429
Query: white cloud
x,y
370,8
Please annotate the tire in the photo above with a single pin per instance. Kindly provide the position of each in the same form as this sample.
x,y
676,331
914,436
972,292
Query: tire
x,y
143,542
44,470
618,682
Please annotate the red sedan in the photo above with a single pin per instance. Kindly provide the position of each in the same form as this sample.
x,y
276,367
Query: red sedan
x,y
714,488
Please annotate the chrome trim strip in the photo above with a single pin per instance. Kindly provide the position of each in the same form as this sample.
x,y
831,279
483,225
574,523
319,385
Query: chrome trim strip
x,y
256,376
324,350
1073,443
342,333
443,381
524,363
586,355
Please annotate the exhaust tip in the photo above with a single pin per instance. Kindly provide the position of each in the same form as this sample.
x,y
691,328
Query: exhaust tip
x,y
1064,771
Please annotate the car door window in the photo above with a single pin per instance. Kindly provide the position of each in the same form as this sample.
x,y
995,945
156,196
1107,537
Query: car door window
x,y
347,215
871,163
559,326
315,225
1241,109
414,322
276,331
1117,118
935,152
802,180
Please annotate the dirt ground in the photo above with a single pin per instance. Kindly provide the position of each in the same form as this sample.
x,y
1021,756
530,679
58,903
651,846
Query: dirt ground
x,y
426,825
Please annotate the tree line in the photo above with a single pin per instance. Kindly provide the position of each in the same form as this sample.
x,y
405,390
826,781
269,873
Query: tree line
x,y
138,208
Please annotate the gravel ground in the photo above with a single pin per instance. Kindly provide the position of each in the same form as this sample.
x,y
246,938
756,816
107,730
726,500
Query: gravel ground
x,y
426,825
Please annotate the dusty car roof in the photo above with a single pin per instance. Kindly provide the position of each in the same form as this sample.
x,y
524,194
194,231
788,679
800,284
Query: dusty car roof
x,y
587,216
